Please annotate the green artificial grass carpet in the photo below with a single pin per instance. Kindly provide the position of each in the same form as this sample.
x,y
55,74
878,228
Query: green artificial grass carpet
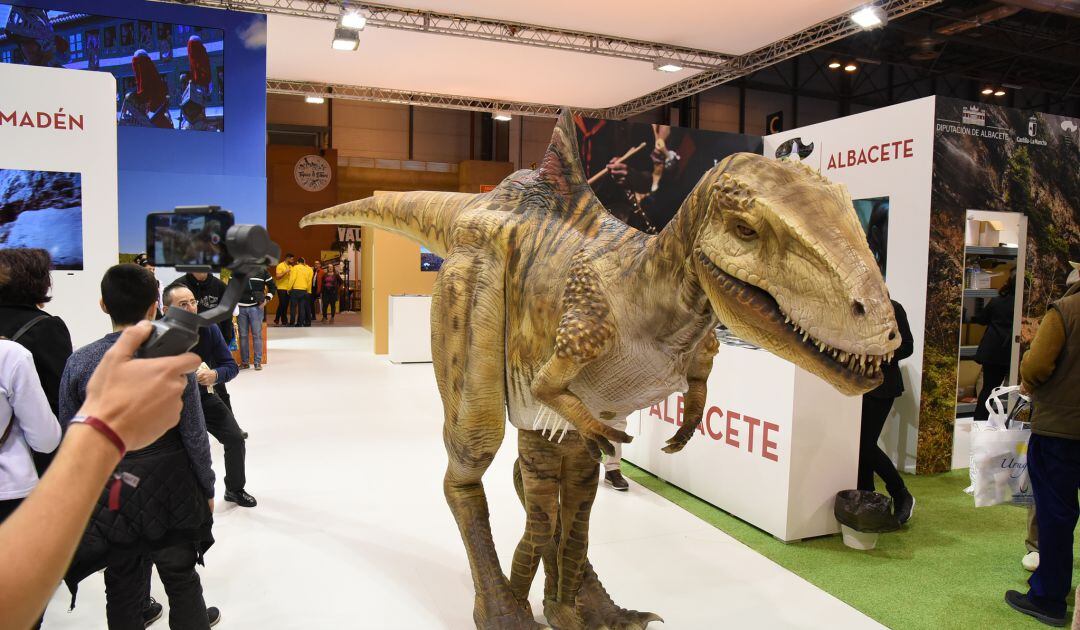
x,y
948,568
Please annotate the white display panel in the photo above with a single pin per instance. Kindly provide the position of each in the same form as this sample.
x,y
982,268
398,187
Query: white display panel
x,y
409,335
775,444
64,121
887,153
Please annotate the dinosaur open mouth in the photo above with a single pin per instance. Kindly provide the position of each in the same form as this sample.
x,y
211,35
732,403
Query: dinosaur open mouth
x,y
756,303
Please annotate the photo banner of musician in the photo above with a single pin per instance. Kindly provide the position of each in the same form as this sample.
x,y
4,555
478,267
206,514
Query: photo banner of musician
x,y
642,172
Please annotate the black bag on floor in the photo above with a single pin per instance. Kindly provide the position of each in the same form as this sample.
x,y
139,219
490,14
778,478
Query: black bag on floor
x,y
865,511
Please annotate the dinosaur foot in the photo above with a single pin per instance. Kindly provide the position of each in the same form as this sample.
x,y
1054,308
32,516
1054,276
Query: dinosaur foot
x,y
598,611
620,619
563,616
520,618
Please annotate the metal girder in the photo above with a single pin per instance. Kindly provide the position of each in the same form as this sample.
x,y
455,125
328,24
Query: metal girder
x,y
425,99
385,16
720,68
818,35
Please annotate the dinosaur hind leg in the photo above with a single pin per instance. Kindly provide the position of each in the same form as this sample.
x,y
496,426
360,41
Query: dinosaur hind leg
x,y
467,350
536,478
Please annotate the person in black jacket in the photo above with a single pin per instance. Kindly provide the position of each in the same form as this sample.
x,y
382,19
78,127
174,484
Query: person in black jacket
x,y
220,422
208,290
994,353
24,288
876,406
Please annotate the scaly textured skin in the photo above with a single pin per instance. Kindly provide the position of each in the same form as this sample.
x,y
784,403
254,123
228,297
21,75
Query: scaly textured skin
x,y
549,309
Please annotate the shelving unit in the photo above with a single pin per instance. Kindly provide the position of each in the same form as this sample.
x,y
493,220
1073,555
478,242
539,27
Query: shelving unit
x,y
1015,231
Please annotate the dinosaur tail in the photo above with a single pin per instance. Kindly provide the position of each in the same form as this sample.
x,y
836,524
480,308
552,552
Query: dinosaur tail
x,y
425,217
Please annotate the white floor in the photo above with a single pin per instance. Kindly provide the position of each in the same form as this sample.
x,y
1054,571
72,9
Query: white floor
x,y
346,459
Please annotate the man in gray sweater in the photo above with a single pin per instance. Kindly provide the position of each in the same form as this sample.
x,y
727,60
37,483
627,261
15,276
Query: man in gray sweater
x,y
160,505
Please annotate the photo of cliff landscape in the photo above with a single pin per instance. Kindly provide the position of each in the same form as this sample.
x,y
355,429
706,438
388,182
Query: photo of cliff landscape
x,y
43,209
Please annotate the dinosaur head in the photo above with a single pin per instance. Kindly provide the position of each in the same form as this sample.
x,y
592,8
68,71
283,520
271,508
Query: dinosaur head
x,y
781,255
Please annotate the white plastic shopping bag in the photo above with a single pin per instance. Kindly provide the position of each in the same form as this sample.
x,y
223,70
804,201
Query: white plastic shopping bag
x,y
999,454
998,405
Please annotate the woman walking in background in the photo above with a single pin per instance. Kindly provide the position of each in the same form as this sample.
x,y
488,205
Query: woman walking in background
x,y
331,285
995,349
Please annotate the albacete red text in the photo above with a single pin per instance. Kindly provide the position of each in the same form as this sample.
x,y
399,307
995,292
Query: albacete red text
x,y
732,429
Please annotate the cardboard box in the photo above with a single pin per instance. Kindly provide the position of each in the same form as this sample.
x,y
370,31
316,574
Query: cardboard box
x,y
975,334
1000,275
990,233
967,374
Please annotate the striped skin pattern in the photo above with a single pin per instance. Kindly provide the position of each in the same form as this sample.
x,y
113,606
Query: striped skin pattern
x,y
552,312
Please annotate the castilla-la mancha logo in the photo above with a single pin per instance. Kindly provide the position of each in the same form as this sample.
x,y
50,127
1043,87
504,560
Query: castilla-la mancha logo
x,y
42,120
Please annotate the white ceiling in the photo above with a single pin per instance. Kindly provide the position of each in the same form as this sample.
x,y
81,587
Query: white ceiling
x,y
299,49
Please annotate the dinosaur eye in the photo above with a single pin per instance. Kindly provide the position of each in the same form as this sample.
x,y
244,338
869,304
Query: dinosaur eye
x,y
745,232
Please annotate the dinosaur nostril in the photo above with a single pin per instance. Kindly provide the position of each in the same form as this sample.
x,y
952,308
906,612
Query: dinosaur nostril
x,y
858,309
892,335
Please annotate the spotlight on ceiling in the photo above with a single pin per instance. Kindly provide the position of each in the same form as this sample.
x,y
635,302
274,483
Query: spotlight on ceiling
x,y
353,19
501,115
346,39
850,67
999,92
869,17
666,65
987,91
314,100
834,64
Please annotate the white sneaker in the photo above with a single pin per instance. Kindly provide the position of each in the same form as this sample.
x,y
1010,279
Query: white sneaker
x,y
1031,561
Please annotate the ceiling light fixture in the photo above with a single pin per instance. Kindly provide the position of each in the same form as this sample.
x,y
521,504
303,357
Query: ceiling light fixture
x,y
501,116
987,91
850,67
999,92
834,64
869,17
346,39
666,65
314,100
353,19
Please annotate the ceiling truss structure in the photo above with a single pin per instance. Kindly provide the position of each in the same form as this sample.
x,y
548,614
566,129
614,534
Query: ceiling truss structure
x,y
384,16
425,99
716,68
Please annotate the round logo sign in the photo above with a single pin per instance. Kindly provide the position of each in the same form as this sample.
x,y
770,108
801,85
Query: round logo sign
x,y
312,173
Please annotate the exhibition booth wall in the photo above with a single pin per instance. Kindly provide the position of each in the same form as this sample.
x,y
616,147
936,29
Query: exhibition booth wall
x,y
927,163
170,159
58,182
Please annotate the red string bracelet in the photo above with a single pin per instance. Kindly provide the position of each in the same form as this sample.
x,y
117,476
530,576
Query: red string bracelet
x,y
105,430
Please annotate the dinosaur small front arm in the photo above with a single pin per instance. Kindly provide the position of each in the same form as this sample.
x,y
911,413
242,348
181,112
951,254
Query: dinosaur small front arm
x,y
697,380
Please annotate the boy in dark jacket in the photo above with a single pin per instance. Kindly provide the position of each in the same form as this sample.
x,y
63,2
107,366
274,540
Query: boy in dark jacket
x,y
160,503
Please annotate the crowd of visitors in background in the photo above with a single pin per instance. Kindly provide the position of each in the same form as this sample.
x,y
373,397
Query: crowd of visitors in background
x,y
302,287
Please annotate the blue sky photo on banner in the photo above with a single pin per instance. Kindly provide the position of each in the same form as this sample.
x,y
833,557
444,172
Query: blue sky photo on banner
x,y
175,145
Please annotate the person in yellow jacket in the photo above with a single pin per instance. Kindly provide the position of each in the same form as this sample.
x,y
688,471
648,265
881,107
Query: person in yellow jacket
x,y
299,302
283,280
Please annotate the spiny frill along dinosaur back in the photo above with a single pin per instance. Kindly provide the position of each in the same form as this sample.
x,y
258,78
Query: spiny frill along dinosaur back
x,y
552,310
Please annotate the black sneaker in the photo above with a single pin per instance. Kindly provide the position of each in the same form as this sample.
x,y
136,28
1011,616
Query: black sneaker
x,y
151,612
214,615
244,366
615,479
241,498
1022,603
904,506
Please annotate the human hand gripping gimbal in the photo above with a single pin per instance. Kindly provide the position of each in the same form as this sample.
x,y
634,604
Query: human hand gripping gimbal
x,y
202,239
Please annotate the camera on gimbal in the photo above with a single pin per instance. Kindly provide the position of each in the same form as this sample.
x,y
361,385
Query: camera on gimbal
x,y
202,239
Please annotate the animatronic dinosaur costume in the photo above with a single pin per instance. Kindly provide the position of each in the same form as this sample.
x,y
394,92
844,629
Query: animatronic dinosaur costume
x,y
549,308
